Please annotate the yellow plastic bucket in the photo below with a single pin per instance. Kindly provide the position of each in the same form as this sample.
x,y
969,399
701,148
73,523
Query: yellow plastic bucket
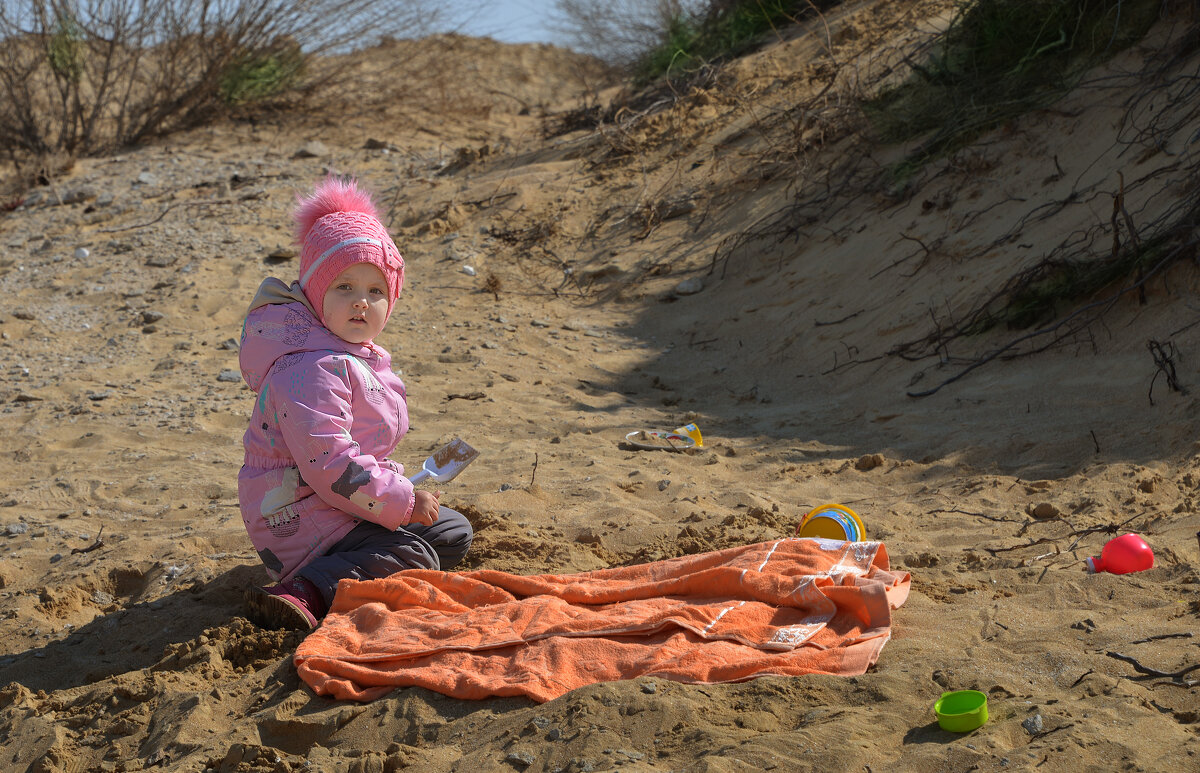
x,y
833,521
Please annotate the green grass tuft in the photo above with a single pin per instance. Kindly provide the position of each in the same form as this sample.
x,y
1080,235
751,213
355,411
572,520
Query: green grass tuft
x,y
64,49
999,59
725,30
256,76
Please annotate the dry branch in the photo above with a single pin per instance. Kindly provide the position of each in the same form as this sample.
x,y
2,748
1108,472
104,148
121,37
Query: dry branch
x,y
1153,672
99,543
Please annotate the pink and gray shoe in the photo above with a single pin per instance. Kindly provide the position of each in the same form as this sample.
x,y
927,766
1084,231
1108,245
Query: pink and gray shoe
x,y
295,604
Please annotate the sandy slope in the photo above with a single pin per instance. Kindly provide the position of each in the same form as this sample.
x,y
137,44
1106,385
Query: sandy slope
x,y
125,648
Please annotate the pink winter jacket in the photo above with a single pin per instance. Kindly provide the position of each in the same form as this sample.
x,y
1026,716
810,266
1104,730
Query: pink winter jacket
x,y
327,414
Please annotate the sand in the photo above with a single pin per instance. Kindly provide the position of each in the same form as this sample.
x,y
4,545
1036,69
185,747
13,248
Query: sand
x,y
713,255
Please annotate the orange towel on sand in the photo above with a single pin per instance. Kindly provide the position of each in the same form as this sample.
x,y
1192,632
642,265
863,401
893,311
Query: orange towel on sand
x,y
786,607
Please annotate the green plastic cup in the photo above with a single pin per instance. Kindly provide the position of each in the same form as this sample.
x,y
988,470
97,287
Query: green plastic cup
x,y
961,711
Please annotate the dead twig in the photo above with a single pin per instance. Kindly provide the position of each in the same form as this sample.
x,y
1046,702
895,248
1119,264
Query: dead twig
x,y
1119,208
1110,528
99,543
1184,635
163,214
1164,361
977,515
1045,733
819,323
1040,541
1152,672
467,396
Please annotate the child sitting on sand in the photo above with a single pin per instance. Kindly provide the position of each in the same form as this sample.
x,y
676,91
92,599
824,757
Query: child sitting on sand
x,y
319,499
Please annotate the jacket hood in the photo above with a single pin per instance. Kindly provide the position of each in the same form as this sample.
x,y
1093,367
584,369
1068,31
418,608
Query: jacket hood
x,y
281,322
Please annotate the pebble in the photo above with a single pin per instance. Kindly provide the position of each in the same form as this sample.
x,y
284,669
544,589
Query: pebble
x,y
689,286
374,144
869,462
229,376
77,195
13,529
81,253
314,149
1033,725
468,270
1044,511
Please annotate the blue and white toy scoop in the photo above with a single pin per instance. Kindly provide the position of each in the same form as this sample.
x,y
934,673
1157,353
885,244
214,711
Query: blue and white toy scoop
x,y
446,463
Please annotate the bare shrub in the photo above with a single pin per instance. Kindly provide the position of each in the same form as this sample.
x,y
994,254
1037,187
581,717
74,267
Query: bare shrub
x,y
86,76
620,32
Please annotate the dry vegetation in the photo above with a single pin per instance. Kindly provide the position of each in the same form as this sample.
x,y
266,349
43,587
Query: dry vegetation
x,y
91,78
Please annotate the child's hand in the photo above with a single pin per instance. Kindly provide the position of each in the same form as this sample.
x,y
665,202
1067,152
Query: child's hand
x,y
425,511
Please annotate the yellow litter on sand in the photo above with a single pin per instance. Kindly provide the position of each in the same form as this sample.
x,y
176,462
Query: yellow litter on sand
x,y
680,439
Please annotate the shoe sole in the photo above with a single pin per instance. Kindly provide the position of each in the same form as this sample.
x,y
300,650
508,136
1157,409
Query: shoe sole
x,y
272,611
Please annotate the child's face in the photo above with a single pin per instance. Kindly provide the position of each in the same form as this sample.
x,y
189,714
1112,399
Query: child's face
x,y
356,304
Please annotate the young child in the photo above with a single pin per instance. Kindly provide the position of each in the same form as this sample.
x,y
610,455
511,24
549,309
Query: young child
x,y
318,497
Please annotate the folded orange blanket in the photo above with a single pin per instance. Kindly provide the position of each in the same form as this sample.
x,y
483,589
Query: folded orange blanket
x,y
786,607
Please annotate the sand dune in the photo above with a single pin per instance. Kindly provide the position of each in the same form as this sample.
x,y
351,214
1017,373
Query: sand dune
x,y
728,254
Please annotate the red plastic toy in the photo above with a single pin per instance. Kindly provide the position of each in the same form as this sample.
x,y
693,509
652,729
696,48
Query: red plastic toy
x,y
1122,555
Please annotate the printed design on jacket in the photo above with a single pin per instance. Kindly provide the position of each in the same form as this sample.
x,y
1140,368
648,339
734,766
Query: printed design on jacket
x,y
297,327
313,440
277,506
285,522
372,386
288,360
271,562
292,330
295,376
353,478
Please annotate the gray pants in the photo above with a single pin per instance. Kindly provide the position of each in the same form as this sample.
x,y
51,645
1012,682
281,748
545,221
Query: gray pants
x,y
370,551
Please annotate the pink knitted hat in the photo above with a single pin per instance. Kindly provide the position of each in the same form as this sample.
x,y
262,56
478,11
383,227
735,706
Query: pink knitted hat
x,y
337,226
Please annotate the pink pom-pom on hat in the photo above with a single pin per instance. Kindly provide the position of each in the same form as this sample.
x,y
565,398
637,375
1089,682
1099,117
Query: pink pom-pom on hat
x,y
337,226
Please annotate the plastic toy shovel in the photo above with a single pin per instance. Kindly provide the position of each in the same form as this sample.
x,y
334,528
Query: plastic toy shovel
x,y
446,463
